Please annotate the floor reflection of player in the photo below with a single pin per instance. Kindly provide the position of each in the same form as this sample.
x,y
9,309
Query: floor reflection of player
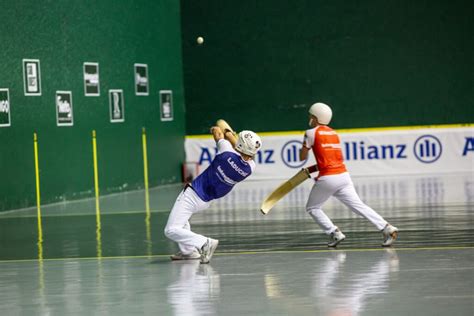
x,y
345,292
195,290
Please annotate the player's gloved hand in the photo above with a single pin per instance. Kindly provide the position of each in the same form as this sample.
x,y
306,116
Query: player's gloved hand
x,y
228,131
312,168
305,170
213,128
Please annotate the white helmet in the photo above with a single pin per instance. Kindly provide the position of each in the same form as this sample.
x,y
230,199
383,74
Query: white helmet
x,y
248,143
322,112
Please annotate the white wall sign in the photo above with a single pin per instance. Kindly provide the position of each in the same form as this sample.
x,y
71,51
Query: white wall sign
x,y
4,108
91,79
166,105
141,79
31,76
382,152
116,106
64,108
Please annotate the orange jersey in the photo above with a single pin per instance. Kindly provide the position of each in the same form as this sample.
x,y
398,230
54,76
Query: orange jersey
x,y
326,147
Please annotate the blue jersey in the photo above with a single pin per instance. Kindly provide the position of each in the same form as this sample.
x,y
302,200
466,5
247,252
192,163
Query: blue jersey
x,y
226,170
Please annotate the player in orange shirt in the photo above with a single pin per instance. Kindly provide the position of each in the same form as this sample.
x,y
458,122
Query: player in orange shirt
x,y
333,179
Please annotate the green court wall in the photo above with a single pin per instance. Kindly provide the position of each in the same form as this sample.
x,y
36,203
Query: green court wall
x,y
377,63
63,35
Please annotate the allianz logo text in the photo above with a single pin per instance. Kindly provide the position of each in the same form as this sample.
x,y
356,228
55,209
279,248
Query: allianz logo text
x,y
361,151
426,149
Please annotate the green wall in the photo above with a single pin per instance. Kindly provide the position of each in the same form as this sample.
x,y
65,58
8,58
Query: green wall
x,y
377,63
63,35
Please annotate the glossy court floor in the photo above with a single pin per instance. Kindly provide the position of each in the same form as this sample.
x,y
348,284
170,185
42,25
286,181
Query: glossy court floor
x,y
80,262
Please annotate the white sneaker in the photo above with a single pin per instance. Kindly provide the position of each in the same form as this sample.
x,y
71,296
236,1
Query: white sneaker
x,y
390,233
181,256
335,238
208,250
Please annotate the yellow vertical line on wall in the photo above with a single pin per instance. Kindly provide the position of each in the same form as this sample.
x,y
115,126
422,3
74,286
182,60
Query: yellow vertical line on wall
x,y
40,225
97,204
147,194
38,198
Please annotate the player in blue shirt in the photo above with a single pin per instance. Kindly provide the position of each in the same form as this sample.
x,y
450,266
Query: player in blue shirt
x,y
232,164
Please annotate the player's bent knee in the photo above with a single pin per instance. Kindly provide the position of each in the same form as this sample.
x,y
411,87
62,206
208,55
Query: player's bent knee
x,y
170,231
313,210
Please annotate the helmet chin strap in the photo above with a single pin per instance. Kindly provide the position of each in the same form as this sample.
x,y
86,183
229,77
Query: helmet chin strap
x,y
310,123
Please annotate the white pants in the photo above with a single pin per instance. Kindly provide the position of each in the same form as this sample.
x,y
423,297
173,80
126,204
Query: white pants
x,y
341,187
178,228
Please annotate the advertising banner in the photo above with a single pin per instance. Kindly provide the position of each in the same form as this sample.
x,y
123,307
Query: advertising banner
x,y
368,152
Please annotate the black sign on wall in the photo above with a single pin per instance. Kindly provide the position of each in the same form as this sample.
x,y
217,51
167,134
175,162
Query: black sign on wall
x,y
32,76
64,110
116,106
91,79
4,108
166,105
141,79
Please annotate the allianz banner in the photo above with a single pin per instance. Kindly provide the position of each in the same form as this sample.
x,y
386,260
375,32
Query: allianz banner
x,y
417,150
